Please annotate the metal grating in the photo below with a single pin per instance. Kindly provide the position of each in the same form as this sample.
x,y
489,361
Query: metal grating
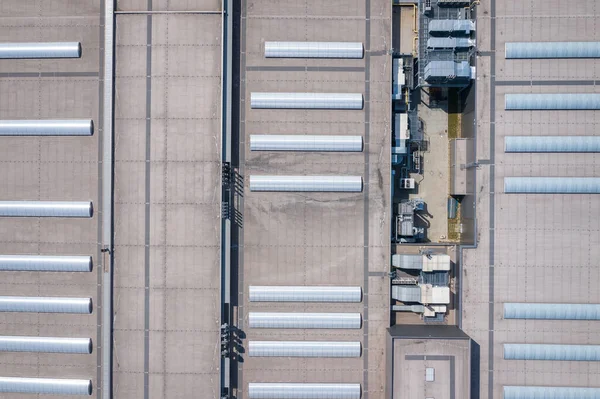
x,y
303,391
552,185
304,294
45,304
303,349
44,263
45,344
313,50
40,50
260,142
531,102
45,386
75,127
552,311
46,209
588,353
307,100
552,144
306,183
530,50
305,320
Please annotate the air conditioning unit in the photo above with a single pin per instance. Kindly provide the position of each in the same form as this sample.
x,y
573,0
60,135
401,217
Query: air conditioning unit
x,y
407,183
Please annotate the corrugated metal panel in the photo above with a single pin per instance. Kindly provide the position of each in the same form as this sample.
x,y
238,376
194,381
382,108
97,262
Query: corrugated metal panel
x,y
74,127
553,50
44,263
45,386
40,50
589,353
303,349
45,344
304,294
552,185
82,209
552,311
45,304
304,320
460,26
552,144
578,101
303,391
306,183
516,392
313,50
263,142
307,100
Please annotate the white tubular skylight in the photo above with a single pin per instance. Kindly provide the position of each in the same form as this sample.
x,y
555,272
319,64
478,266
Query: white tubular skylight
x,y
67,127
45,263
72,209
40,50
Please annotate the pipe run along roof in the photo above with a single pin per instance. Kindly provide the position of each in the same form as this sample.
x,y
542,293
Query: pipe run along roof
x,y
303,349
532,102
304,320
303,390
552,144
45,304
263,142
46,386
552,185
82,209
531,392
304,294
73,127
313,50
307,100
531,50
586,353
552,311
306,183
45,344
40,50
45,263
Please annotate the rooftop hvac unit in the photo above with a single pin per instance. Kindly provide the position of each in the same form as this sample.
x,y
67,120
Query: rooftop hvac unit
x,y
407,184
428,10
434,295
426,263
432,310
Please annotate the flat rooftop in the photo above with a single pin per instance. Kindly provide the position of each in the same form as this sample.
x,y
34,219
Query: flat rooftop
x,y
318,238
167,200
51,168
430,367
535,248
